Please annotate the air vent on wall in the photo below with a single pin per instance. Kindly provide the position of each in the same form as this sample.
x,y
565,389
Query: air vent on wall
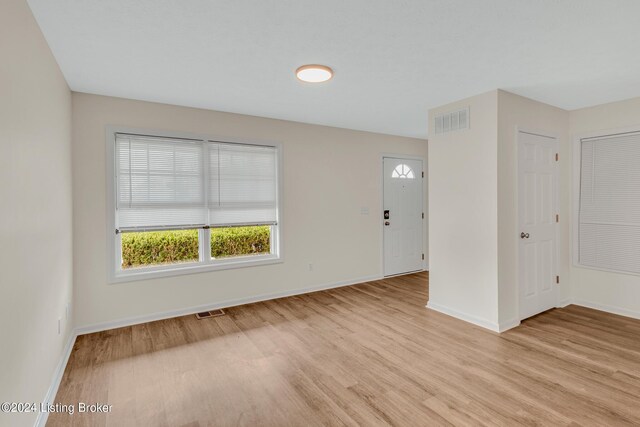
x,y
456,120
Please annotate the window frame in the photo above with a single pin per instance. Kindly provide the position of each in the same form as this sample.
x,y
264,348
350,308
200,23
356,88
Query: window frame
x,y
114,240
576,187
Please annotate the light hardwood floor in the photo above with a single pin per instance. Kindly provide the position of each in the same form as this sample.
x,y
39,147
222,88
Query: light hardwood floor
x,y
369,354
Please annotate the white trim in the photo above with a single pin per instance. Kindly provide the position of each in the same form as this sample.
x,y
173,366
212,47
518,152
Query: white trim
x,y
612,309
479,321
534,132
556,137
406,273
425,228
575,190
113,240
509,324
97,327
56,380
193,268
621,311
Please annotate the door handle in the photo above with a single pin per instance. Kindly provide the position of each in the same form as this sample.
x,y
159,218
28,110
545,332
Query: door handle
x,y
524,235
387,223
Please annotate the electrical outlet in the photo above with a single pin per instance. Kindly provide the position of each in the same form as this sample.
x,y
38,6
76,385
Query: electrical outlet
x,y
310,267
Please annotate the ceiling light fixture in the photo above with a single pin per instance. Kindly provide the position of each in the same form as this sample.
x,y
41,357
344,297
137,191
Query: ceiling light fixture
x,y
314,73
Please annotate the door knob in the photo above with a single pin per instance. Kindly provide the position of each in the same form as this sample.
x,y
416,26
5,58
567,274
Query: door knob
x,y
387,223
524,235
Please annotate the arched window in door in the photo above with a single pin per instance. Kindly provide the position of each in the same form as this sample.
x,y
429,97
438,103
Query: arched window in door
x,y
403,171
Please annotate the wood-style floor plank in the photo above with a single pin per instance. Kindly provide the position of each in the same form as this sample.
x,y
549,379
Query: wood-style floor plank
x,y
368,354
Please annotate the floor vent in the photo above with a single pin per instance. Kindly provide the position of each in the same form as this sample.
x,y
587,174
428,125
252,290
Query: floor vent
x,y
210,313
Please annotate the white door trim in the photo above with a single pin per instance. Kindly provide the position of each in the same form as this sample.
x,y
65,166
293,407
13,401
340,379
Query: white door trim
x,y
425,265
516,237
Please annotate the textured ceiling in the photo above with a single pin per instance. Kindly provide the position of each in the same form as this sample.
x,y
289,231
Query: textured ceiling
x,y
393,60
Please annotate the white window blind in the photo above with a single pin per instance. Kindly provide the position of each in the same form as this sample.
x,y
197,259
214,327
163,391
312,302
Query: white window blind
x,y
609,216
170,183
242,184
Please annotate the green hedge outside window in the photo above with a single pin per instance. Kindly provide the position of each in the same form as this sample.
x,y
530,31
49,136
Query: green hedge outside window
x,y
176,246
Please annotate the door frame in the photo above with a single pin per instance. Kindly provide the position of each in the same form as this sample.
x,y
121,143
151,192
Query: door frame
x,y
516,237
425,265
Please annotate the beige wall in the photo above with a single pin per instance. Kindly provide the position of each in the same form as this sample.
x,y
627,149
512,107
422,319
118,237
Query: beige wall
x,y
619,293
473,207
516,111
463,221
466,233
329,174
35,212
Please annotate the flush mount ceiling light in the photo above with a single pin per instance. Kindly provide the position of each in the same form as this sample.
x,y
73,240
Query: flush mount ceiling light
x,y
314,73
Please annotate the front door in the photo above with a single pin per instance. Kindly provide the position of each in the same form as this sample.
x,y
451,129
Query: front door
x,y
537,216
402,215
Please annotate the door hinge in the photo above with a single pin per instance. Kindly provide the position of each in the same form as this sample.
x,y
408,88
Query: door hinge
x,y
423,174
557,157
557,279
557,218
422,215
423,256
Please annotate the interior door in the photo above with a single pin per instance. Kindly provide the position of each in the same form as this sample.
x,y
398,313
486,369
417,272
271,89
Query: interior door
x,y
537,212
402,215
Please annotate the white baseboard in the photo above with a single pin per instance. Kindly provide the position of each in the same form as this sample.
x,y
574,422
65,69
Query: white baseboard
x,y
607,308
487,324
57,378
504,326
104,326
509,324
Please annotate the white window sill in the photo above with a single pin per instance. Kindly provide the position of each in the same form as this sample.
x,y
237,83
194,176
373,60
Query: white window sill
x,y
146,273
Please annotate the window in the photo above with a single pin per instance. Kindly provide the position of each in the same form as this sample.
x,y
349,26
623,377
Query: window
x,y
402,171
188,204
608,226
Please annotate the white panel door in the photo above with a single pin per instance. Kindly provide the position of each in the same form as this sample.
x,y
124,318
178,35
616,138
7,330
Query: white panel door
x,y
402,215
537,210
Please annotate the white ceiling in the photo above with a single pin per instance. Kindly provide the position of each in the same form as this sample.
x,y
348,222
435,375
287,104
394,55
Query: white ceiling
x,y
393,59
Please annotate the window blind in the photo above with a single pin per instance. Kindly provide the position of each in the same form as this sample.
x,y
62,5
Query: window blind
x,y
242,184
609,213
172,183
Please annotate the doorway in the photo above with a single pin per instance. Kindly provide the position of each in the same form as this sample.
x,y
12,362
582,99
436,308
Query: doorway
x,y
402,215
537,220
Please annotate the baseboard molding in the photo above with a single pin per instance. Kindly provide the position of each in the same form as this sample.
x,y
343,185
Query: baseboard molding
x,y
402,274
57,378
487,324
607,308
510,324
129,321
505,326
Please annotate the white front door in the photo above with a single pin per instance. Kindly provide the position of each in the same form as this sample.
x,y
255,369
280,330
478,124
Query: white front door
x,y
537,210
402,215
